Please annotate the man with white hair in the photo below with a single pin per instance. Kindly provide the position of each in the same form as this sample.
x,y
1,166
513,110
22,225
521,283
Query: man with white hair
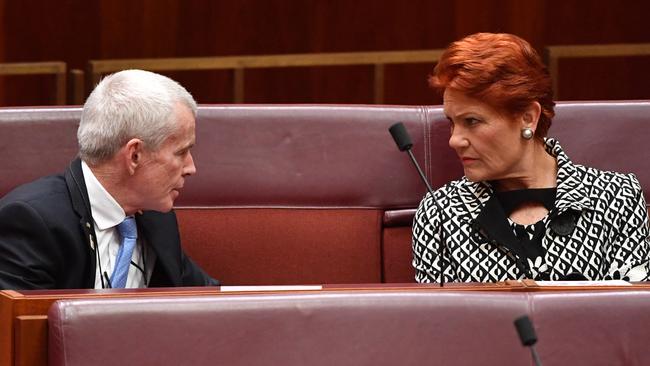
x,y
107,222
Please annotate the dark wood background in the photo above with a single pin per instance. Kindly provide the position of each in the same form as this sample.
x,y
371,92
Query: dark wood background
x,y
75,31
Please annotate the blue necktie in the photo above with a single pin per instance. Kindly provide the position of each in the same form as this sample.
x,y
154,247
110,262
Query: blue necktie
x,y
129,232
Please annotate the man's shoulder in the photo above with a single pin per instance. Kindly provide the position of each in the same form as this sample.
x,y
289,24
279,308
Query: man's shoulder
x,y
46,191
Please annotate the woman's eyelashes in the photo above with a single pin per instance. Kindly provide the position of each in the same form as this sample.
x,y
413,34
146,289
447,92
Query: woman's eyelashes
x,y
465,121
471,121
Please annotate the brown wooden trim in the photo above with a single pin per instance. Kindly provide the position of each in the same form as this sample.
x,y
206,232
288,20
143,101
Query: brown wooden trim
x,y
77,92
552,55
56,68
30,340
32,68
238,64
600,50
6,328
266,61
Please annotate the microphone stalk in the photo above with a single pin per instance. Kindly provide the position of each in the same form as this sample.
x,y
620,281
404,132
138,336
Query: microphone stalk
x,y
404,143
417,166
538,362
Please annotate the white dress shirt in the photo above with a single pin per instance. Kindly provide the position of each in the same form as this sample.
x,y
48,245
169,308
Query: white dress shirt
x,y
107,214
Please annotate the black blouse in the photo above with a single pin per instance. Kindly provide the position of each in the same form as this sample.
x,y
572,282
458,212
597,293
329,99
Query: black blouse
x,y
529,235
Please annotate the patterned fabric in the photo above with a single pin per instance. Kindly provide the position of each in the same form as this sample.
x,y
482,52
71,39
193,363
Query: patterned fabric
x,y
527,234
598,229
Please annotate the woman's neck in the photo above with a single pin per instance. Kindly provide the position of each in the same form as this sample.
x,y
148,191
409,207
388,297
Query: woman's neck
x,y
539,171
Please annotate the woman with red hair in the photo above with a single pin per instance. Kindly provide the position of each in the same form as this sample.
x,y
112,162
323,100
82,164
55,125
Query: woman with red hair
x,y
523,209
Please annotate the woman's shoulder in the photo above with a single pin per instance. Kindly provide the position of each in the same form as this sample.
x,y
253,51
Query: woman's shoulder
x,y
457,190
609,190
455,187
607,178
598,180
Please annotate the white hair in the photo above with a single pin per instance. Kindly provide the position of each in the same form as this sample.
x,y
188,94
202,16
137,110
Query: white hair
x,y
129,104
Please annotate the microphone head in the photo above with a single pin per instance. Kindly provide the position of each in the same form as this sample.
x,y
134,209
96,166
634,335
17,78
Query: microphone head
x,y
401,136
526,331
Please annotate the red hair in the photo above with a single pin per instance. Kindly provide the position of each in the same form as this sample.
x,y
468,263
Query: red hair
x,y
501,69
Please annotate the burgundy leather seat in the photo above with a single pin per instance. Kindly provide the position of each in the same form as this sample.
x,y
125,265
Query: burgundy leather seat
x,y
593,328
380,328
342,328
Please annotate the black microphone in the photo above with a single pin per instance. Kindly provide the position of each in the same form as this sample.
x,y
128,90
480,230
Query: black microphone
x,y
527,336
401,136
404,143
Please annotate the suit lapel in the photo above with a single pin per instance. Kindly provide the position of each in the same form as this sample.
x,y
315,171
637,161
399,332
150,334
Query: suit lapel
x,y
159,231
80,203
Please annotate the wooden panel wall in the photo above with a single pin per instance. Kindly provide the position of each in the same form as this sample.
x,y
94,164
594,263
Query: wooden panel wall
x,y
75,31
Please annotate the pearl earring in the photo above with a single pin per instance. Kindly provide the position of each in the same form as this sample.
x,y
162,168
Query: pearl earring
x,y
527,133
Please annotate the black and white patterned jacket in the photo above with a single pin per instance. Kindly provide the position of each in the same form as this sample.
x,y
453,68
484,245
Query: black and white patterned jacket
x,y
598,228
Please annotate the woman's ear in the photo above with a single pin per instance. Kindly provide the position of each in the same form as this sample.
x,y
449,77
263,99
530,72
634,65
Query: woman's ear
x,y
531,116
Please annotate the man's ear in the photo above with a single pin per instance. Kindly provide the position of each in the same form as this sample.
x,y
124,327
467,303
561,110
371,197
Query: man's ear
x,y
133,154
530,117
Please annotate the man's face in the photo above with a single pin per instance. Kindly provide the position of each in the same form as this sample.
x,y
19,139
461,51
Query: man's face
x,y
162,173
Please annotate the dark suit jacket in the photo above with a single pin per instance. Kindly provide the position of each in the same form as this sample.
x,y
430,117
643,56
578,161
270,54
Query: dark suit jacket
x,y
47,238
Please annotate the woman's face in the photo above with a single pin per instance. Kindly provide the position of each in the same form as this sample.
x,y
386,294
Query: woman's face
x,y
488,142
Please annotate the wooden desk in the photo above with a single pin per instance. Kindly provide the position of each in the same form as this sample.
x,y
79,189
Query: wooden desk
x,y
23,314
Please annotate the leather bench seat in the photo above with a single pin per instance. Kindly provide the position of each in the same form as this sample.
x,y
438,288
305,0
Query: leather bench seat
x,y
352,328
325,329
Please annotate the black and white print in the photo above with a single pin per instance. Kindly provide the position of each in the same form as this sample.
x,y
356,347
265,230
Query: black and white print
x,y
597,229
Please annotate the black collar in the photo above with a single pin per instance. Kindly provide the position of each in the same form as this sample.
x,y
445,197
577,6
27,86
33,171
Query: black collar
x,y
492,223
510,200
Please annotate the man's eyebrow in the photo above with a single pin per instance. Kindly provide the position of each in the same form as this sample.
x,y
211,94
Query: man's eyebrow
x,y
187,147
